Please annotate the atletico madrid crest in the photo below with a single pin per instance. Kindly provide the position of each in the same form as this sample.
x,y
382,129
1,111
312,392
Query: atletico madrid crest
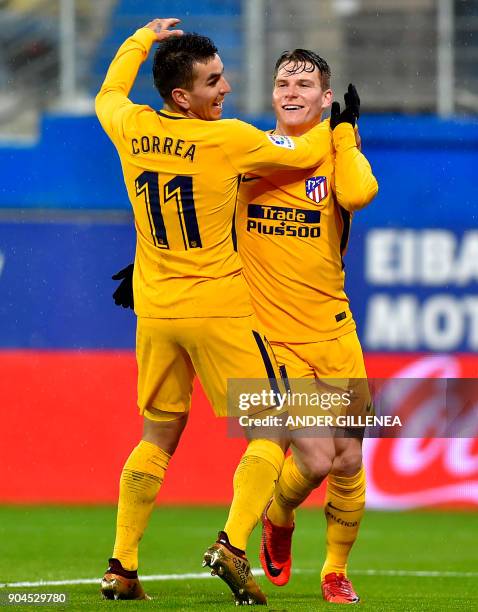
x,y
316,188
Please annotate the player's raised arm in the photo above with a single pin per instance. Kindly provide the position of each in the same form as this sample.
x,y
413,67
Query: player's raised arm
x,y
250,149
355,185
123,70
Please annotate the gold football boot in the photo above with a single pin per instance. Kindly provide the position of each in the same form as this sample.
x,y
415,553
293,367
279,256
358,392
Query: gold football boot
x,y
118,583
230,564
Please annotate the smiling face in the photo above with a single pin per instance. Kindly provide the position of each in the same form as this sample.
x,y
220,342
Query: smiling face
x,y
298,99
204,99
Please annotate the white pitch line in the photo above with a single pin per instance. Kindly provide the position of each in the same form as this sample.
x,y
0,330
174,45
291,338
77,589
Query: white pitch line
x,y
257,572
151,578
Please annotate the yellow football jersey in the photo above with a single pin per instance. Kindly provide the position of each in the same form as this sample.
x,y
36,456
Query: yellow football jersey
x,y
182,177
292,230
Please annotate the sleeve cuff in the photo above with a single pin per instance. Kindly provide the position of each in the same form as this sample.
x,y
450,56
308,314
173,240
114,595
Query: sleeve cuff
x,y
344,136
145,36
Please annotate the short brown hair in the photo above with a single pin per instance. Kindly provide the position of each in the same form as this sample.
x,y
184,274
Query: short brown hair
x,y
174,60
299,58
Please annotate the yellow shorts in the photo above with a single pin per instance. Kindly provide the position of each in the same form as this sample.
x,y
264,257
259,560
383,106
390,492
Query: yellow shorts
x,y
328,367
338,358
170,352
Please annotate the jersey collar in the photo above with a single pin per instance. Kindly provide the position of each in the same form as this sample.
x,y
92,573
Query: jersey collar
x,y
170,114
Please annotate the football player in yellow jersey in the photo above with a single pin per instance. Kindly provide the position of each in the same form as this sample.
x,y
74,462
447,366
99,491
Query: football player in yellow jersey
x,y
181,167
292,229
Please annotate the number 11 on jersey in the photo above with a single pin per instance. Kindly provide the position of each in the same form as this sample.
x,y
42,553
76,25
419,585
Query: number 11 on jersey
x,y
179,189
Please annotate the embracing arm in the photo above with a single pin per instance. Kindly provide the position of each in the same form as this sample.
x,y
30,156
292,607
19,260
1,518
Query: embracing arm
x,y
250,149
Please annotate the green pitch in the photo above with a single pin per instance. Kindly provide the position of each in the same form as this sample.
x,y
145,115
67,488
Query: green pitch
x,y
392,565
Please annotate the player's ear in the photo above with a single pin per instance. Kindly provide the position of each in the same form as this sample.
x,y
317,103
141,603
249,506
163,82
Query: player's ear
x,y
181,98
328,98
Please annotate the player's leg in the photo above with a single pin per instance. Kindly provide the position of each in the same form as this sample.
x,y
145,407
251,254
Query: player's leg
x,y
303,471
310,463
344,503
165,378
235,351
344,508
141,478
312,460
253,484
345,496
232,351
140,481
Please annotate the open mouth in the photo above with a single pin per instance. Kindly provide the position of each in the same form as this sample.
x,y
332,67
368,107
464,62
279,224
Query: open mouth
x,y
292,107
218,105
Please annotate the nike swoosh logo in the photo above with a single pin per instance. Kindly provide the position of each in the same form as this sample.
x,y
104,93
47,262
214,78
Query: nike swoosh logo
x,y
340,509
248,179
273,571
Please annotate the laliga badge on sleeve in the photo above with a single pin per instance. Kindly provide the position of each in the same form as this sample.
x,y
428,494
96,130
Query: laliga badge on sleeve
x,y
316,188
281,141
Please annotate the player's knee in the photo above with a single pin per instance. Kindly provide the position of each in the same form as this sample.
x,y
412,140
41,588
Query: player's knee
x,y
165,432
315,468
347,463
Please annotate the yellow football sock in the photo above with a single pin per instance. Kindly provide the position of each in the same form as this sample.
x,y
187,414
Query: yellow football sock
x,y
254,482
344,508
140,481
291,490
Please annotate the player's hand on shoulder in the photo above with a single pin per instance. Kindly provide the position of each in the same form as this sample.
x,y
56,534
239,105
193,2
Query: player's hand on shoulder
x,y
351,112
161,27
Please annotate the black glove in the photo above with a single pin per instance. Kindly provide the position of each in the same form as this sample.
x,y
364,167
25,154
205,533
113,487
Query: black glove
x,y
351,112
123,296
